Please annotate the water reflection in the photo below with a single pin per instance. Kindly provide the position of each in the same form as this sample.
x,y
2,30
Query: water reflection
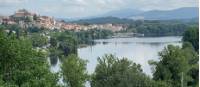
x,y
157,43
53,60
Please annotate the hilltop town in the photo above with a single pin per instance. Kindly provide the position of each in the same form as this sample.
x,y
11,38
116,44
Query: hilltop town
x,y
25,19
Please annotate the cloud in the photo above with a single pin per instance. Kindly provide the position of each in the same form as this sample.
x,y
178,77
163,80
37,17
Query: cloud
x,y
82,8
159,4
11,2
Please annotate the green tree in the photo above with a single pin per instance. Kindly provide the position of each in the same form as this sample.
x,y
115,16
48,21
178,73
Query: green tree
x,y
35,17
35,30
53,42
193,61
67,43
74,71
159,28
22,66
192,35
114,72
38,40
87,37
174,66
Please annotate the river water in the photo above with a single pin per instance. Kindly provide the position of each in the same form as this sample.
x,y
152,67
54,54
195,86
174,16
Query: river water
x,y
139,50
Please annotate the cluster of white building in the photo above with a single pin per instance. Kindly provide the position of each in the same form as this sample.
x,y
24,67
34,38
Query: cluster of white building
x,y
27,19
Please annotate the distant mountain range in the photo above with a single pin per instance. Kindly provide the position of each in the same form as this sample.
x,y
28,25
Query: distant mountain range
x,y
181,13
124,15
103,20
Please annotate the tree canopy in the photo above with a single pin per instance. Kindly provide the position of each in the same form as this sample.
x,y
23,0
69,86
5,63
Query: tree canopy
x,y
114,72
192,36
175,65
74,71
22,66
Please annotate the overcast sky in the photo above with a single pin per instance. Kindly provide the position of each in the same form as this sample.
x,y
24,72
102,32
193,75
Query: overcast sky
x,y
84,8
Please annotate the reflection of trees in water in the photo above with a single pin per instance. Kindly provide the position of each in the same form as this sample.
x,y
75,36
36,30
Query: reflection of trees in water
x,y
53,60
157,43
127,42
152,43
104,43
94,43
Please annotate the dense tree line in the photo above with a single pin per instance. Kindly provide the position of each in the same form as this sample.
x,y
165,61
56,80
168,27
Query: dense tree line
x,y
158,29
38,40
104,20
162,29
87,37
116,20
192,36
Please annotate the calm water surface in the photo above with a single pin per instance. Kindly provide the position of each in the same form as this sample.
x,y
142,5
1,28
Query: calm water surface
x,y
139,50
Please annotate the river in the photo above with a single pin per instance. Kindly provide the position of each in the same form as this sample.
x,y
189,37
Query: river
x,y
140,50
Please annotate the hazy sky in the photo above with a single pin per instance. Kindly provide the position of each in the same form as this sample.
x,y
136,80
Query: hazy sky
x,y
83,8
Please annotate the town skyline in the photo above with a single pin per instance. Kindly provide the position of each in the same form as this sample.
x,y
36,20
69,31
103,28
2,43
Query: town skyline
x,y
25,18
88,8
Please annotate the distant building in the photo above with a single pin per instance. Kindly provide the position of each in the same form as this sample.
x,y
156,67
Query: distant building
x,y
112,27
46,22
23,13
27,19
8,20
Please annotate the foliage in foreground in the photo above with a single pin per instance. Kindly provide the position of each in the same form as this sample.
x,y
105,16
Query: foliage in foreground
x,y
74,71
177,66
192,36
114,72
64,42
22,66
